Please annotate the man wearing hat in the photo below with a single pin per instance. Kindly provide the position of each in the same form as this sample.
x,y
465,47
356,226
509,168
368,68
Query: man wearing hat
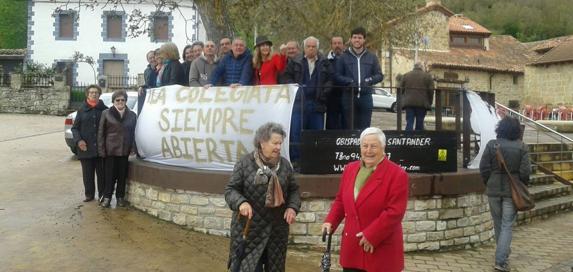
x,y
417,88
267,66
235,69
313,73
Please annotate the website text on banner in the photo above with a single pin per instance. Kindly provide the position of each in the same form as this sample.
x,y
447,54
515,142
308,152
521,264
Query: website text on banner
x,y
211,128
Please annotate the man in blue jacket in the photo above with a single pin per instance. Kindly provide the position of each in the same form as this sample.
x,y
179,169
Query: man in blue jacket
x,y
358,69
235,68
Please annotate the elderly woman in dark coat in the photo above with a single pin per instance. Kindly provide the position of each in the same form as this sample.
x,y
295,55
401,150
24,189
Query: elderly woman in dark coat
x,y
84,131
498,190
116,141
250,193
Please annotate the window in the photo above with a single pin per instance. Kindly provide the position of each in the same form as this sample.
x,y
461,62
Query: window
x,y
65,25
161,28
114,26
114,23
459,40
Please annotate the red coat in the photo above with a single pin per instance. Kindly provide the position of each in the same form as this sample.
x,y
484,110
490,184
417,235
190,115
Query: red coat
x,y
270,70
377,212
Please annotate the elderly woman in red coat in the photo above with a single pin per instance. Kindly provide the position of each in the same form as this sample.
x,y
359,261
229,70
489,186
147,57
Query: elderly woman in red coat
x,y
372,198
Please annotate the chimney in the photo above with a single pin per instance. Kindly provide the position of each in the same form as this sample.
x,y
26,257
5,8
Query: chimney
x,y
433,2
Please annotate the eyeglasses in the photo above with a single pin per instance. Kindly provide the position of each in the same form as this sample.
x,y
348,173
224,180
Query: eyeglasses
x,y
120,100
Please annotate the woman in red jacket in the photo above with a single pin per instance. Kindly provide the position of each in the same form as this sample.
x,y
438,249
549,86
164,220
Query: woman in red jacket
x,y
266,65
372,198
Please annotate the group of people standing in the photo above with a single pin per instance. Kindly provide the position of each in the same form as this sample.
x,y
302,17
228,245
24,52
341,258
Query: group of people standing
x,y
335,90
105,137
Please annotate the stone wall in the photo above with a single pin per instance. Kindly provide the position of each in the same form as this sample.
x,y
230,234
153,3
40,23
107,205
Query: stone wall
x,y
549,85
430,224
52,100
502,84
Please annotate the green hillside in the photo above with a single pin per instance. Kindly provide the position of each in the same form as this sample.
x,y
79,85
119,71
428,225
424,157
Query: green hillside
x,y
13,23
527,20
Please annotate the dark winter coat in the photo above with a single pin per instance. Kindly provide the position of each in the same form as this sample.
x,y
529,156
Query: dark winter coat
x,y
358,70
86,127
116,135
268,228
516,156
295,73
417,89
150,77
231,70
173,74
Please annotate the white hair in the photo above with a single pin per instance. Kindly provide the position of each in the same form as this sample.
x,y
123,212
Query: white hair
x,y
311,38
374,131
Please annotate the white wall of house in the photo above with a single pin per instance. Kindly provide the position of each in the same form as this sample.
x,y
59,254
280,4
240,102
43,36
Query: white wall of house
x,y
43,46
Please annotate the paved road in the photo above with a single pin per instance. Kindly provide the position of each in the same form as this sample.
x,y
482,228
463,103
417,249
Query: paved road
x,y
44,226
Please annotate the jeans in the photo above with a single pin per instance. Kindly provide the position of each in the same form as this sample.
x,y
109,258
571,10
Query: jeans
x,y
503,213
309,119
359,108
415,113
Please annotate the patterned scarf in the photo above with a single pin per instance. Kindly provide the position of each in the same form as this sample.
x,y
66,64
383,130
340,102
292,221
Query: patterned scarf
x,y
268,175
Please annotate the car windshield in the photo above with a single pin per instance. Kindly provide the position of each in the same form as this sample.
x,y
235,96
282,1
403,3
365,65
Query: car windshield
x,y
106,98
381,92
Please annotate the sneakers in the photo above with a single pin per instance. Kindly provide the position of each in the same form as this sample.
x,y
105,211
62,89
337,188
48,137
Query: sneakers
x,y
502,268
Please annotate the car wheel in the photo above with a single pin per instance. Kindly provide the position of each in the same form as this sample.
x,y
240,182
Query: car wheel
x,y
393,107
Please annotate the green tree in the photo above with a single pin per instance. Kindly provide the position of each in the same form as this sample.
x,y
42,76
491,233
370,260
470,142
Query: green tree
x,y
13,23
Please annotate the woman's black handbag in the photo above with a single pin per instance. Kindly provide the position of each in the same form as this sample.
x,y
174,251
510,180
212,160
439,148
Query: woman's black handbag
x,y
519,193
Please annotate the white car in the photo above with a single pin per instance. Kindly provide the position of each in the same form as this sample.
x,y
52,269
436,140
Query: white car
x,y
383,99
106,98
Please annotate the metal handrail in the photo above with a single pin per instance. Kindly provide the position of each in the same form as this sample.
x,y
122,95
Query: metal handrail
x,y
521,116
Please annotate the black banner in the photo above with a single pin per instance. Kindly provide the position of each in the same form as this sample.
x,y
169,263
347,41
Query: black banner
x,y
328,151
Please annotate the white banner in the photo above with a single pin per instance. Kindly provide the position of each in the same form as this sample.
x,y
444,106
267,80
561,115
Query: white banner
x,y
209,128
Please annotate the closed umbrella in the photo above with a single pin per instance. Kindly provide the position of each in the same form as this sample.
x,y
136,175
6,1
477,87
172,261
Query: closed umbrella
x,y
235,263
325,261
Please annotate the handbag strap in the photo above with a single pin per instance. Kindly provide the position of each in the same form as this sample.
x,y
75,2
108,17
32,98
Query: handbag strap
x,y
501,161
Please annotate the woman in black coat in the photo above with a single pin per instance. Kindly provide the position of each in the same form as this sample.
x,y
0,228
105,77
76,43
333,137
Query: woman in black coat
x,y
84,132
116,141
250,194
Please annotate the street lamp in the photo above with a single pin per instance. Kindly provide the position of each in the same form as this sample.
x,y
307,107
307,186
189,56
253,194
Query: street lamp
x,y
113,51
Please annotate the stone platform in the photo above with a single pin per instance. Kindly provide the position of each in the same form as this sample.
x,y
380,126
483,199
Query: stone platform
x,y
445,211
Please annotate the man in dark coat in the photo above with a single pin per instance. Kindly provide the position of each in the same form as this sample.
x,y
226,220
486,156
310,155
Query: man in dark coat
x,y
334,103
235,69
359,69
150,77
417,87
313,72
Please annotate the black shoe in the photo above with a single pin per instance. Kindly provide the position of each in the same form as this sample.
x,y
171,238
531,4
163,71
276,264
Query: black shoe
x,y
88,198
106,202
121,202
501,268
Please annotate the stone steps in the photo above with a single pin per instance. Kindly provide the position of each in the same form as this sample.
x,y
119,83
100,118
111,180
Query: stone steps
x,y
540,179
540,192
551,196
546,208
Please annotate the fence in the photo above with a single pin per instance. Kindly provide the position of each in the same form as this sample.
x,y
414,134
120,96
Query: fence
x,y
5,80
31,81
122,82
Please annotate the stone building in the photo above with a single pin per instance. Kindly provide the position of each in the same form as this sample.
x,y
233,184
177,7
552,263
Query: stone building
x,y
452,46
549,78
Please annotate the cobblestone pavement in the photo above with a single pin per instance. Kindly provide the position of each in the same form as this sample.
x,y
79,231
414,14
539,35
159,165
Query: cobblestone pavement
x,y
541,246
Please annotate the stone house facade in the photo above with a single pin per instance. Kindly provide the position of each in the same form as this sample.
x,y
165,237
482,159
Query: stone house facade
x,y
455,47
549,79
